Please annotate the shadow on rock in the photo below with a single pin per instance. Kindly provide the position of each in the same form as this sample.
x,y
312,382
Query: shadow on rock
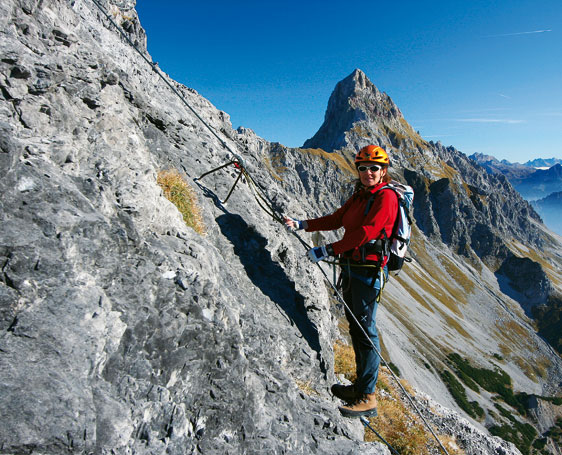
x,y
268,276
525,281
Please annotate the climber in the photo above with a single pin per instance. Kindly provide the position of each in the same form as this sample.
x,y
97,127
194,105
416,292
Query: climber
x,y
363,243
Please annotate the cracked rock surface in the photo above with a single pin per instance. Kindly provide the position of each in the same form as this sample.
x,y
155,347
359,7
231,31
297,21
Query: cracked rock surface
x,y
124,331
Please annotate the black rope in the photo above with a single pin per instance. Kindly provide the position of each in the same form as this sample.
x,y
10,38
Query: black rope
x,y
271,211
264,198
410,399
366,422
215,170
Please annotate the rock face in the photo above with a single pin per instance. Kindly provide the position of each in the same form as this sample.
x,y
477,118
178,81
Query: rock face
x,y
526,277
355,108
124,331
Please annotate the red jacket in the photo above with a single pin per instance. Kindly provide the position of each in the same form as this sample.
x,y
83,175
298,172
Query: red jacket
x,y
360,229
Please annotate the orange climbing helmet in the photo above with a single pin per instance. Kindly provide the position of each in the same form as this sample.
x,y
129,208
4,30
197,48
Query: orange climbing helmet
x,y
372,154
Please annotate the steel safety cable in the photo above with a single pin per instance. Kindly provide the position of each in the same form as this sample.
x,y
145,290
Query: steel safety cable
x,y
402,388
159,73
366,422
264,198
341,299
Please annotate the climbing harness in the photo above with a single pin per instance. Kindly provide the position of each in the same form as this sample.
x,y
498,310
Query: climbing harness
x,y
266,205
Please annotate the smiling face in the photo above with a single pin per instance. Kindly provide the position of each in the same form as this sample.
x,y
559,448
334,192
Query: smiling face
x,y
370,174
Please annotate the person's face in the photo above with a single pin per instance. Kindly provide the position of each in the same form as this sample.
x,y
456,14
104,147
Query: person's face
x,y
370,174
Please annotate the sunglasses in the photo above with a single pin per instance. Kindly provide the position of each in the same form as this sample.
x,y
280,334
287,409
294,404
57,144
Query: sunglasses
x,y
372,168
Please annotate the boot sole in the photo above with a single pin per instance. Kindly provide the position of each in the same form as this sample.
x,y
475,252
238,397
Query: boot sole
x,y
349,413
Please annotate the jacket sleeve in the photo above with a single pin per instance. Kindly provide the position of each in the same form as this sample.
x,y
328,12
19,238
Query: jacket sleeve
x,y
382,215
329,222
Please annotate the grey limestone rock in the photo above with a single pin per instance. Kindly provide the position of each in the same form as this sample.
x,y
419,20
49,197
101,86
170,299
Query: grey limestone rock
x,y
124,331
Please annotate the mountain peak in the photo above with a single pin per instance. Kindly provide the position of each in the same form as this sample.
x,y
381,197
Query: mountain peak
x,y
359,80
355,100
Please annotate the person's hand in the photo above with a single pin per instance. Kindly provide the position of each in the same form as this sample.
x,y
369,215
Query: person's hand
x,y
319,253
293,225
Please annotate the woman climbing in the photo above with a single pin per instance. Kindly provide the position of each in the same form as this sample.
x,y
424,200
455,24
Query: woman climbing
x,y
368,218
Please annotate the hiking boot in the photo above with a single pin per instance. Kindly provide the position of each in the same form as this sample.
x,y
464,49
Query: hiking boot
x,y
364,405
344,392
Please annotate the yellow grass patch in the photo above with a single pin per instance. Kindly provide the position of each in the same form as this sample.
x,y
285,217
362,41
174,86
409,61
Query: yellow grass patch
x,y
344,361
400,426
396,422
178,191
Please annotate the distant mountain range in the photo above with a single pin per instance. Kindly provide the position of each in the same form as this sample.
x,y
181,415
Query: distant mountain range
x,y
539,181
484,160
513,170
550,209
534,180
543,163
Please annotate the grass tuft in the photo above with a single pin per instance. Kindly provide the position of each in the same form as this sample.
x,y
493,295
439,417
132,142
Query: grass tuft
x,y
178,191
344,361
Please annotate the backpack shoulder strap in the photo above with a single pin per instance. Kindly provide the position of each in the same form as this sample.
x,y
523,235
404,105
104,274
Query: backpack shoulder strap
x,y
372,198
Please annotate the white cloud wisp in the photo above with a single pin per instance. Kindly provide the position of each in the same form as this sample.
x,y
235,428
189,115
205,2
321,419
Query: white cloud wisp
x,y
518,33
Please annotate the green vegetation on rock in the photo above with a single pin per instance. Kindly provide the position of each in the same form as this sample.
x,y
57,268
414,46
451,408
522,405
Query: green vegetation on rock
x,y
495,381
521,434
472,408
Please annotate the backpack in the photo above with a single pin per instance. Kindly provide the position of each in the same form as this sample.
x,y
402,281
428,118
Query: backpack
x,y
398,243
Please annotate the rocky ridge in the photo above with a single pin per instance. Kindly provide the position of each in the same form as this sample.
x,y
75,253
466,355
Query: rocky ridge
x,y
495,166
122,330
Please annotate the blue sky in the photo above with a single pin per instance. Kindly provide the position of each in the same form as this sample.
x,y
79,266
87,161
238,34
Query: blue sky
x,y
483,76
